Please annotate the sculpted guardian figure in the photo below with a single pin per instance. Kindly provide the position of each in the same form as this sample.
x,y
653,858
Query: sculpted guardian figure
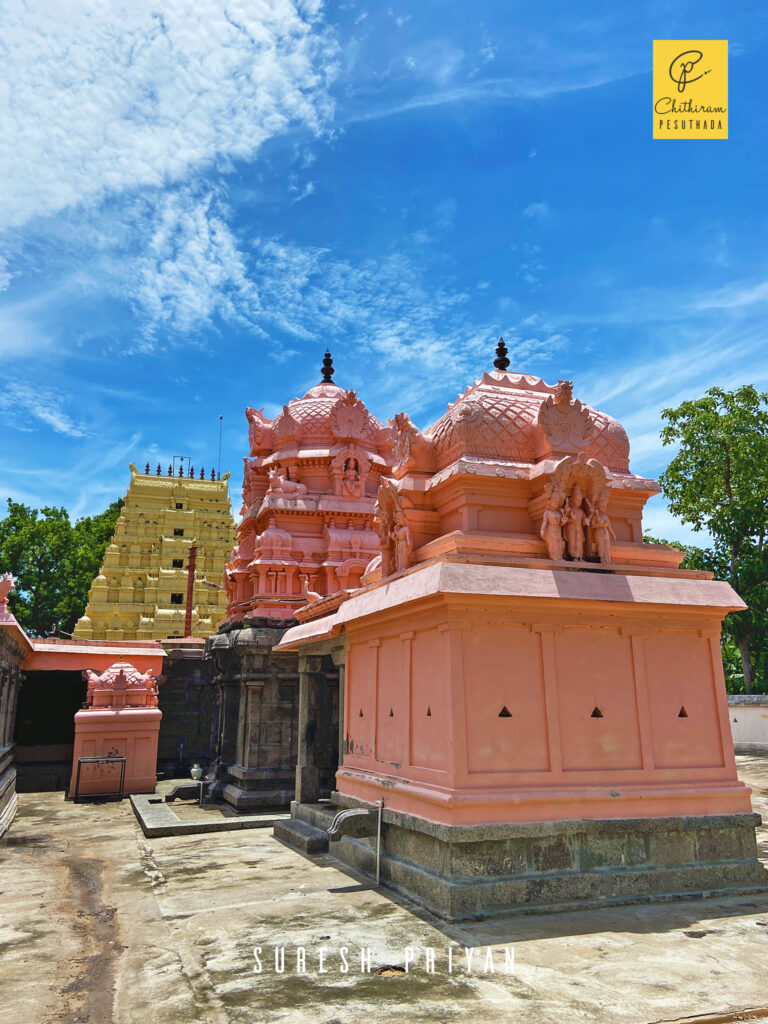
x,y
403,541
602,532
553,521
575,520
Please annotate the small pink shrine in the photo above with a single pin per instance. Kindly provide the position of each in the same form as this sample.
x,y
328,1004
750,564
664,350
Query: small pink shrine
x,y
535,694
309,488
120,718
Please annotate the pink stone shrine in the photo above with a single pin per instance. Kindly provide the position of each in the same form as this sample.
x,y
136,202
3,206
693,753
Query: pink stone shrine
x,y
119,718
536,695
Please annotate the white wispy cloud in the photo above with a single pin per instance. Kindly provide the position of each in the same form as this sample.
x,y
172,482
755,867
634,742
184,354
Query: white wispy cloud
x,y
190,270
734,296
393,308
99,98
20,402
488,90
536,211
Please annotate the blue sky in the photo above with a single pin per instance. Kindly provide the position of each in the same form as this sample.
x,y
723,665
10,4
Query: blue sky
x,y
198,198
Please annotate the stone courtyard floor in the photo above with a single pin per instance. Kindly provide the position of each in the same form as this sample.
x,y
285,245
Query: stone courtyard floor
x,y
100,925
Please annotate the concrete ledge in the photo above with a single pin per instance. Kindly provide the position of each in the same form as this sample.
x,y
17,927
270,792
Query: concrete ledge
x,y
158,819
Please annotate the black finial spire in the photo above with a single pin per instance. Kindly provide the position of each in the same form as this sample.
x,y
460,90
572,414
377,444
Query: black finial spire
x,y
328,370
501,362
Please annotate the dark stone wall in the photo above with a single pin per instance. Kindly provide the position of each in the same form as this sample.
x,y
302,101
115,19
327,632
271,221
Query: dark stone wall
x,y
11,654
189,703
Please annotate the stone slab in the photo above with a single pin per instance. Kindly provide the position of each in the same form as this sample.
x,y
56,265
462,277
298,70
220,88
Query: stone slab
x,y
301,836
158,819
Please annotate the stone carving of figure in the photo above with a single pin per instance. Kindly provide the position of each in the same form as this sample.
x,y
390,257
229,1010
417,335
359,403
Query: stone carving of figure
x,y
553,521
310,595
150,684
230,585
351,484
7,584
280,484
349,416
407,441
256,424
575,520
92,678
564,420
602,532
395,536
403,541
386,540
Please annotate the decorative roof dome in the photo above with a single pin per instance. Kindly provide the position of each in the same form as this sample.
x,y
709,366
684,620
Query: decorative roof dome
x,y
517,416
122,675
325,415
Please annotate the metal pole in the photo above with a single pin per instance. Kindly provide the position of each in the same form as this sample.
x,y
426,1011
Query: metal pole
x,y
378,842
190,590
218,471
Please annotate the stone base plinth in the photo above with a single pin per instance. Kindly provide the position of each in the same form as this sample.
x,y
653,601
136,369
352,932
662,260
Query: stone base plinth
x,y
474,871
250,789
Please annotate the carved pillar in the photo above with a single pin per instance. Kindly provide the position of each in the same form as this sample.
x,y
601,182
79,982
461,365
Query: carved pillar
x,y
229,706
318,753
307,770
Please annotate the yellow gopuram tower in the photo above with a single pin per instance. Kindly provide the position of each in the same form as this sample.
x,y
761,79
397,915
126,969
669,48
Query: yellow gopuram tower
x,y
141,591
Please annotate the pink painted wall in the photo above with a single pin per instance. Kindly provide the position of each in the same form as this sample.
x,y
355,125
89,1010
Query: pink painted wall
x,y
49,655
431,682
132,733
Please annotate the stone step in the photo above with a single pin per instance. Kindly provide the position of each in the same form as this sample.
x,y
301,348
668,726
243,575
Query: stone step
x,y
303,837
319,815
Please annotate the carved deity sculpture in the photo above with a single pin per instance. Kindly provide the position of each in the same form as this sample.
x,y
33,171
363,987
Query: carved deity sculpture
x,y
280,485
403,541
391,524
602,532
351,484
576,519
553,521
7,584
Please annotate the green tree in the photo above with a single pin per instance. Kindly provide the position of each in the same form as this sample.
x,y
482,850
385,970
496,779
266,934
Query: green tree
x,y
53,562
718,481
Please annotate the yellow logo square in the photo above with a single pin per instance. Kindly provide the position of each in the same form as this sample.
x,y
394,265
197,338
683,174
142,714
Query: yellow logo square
x,y
690,88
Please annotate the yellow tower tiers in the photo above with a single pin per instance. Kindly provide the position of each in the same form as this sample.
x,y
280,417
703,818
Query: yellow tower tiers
x,y
141,591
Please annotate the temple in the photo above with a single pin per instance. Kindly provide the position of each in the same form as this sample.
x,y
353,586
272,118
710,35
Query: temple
x,y
306,531
309,488
142,591
533,696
